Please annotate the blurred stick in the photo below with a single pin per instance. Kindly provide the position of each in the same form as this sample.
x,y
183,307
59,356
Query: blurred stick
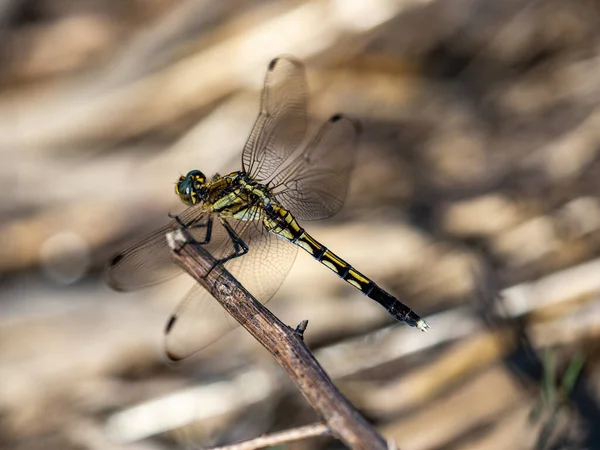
x,y
284,343
295,434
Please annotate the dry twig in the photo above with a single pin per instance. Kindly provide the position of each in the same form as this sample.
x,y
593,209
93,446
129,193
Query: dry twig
x,y
283,342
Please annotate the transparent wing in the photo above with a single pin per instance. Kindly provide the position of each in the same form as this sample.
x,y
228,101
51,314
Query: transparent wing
x,y
281,123
314,185
199,320
148,261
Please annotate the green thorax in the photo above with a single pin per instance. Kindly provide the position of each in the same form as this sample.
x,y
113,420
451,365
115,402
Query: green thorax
x,y
237,195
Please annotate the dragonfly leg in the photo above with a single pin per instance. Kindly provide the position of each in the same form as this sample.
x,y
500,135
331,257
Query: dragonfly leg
x,y
239,246
207,225
177,219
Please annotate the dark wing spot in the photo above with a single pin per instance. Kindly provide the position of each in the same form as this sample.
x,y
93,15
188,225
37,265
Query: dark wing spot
x,y
172,357
116,259
357,125
170,324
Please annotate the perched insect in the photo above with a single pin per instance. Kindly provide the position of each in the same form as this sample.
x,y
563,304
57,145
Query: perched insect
x,y
247,219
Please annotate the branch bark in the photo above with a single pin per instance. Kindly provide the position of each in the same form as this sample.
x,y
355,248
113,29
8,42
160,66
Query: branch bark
x,y
284,343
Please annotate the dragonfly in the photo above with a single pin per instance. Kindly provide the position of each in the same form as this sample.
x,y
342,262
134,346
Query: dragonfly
x,y
248,219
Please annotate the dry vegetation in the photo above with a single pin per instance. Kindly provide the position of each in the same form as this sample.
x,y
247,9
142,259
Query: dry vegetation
x,y
476,197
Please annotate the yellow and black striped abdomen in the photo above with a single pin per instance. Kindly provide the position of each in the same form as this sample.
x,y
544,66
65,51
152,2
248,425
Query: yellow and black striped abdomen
x,y
283,223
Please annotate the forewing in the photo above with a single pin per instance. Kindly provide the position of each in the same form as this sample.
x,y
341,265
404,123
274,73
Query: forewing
x,y
314,185
199,320
281,123
148,261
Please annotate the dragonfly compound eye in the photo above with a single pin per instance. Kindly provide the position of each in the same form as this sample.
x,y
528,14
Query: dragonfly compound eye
x,y
196,175
197,184
188,187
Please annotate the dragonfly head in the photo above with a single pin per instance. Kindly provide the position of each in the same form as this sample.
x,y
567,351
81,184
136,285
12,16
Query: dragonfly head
x,y
191,188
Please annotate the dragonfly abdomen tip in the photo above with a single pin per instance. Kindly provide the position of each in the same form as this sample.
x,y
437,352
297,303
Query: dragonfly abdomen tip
x,y
422,325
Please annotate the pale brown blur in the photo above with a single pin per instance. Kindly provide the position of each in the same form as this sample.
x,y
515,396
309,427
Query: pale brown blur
x,y
475,199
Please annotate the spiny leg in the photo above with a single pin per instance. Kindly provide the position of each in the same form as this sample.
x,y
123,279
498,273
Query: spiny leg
x,y
239,246
207,225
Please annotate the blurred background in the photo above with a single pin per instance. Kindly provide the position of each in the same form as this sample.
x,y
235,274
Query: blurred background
x,y
475,199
